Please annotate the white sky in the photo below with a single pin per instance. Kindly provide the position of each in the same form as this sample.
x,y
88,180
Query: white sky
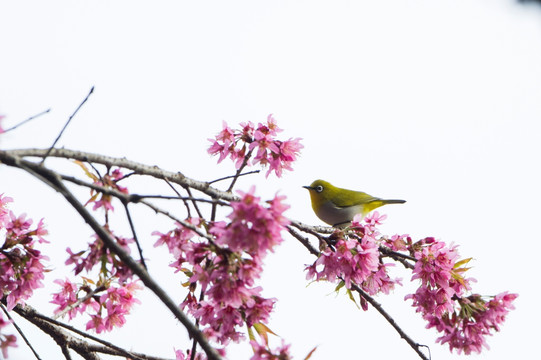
x,y
436,102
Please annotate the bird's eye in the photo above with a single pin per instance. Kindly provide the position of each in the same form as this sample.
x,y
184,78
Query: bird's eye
x,y
319,188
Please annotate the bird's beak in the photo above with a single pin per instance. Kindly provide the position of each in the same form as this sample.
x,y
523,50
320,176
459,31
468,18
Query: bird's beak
x,y
308,187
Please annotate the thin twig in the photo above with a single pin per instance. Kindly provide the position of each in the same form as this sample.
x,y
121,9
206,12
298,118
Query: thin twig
x,y
236,176
185,224
401,258
134,198
194,202
179,197
132,226
19,330
232,176
78,302
415,346
27,120
66,124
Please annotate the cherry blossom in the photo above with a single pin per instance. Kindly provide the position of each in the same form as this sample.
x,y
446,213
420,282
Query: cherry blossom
x,y
277,155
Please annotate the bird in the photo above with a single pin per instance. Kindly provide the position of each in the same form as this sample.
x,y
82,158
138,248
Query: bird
x,y
337,206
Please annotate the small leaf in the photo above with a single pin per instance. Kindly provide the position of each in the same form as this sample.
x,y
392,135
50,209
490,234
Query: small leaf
x,y
263,331
310,353
462,262
251,335
88,280
87,172
339,286
352,298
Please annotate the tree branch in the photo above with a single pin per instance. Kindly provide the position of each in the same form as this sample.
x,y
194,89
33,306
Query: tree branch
x,y
154,171
54,180
12,158
19,330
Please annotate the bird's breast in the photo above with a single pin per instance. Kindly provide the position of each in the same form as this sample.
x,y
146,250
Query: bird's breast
x,y
332,214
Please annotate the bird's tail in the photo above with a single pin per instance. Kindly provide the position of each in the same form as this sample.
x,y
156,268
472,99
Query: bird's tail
x,y
394,201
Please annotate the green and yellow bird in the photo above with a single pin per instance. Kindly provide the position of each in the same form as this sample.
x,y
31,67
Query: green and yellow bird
x,y
337,206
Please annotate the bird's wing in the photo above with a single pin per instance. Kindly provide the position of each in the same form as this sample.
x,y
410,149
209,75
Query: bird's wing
x,y
349,198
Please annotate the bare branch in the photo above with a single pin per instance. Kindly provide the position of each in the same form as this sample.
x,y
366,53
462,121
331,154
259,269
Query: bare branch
x,y
132,226
67,122
154,171
27,120
232,176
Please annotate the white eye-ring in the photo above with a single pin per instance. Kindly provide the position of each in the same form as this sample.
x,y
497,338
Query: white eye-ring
x,y
319,188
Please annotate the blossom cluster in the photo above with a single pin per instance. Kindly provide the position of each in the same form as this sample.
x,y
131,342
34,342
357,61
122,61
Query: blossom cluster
x,y
21,264
109,181
109,298
2,130
98,255
239,145
464,321
227,265
106,311
354,257
113,306
114,289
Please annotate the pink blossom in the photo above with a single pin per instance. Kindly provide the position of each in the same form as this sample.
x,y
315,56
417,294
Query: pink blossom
x,y
398,242
262,141
180,355
380,281
351,261
464,321
97,323
109,181
254,228
112,308
1,128
224,144
374,219
263,352
227,274
7,341
67,296
178,238
21,264
98,254
4,213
